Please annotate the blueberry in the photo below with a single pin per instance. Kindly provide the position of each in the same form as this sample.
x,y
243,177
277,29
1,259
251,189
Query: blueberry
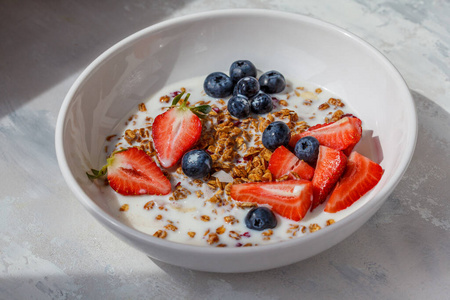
x,y
218,85
307,148
247,86
239,107
275,135
272,82
240,69
260,218
196,164
261,103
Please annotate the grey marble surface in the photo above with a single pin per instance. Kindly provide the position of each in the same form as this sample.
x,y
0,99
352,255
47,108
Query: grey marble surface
x,y
51,248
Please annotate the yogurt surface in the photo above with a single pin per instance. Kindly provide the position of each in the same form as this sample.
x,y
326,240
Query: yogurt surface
x,y
200,212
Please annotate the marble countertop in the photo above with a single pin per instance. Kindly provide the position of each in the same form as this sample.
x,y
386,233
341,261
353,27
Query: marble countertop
x,y
51,248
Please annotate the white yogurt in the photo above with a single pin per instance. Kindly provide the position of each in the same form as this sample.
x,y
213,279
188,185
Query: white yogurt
x,y
177,220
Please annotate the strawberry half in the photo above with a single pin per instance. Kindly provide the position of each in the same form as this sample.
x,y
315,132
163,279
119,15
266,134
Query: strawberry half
x,y
290,199
330,166
343,134
177,130
133,172
361,176
284,162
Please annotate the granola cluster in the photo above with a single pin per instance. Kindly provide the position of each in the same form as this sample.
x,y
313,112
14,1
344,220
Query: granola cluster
x,y
235,145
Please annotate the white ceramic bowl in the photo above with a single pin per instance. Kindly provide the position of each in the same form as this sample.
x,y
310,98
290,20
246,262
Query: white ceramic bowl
x,y
196,45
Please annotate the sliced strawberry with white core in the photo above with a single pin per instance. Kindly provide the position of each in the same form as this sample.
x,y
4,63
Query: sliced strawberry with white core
x,y
284,162
133,172
361,175
343,134
290,199
176,131
330,166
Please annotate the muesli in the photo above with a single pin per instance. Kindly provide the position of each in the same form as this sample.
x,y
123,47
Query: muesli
x,y
233,160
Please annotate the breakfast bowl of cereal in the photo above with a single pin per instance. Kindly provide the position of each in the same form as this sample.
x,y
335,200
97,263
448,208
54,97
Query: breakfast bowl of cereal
x,y
219,143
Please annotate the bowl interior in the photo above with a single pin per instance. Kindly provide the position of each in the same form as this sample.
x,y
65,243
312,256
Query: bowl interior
x,y
297,46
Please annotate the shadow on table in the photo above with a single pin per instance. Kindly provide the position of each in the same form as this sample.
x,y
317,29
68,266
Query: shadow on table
x,y
402,252
45,42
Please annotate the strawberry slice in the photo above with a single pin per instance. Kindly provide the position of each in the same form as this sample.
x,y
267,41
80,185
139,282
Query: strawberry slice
x,y
361,176
290,199
343,134
330,166
284,162
177,130
133,172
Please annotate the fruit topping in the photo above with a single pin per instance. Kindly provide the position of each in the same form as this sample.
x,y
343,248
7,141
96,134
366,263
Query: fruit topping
x,y
272,82
237,182
260,218
196,163
261,103
360,176
290,199
307,149
284,162
340,135
218,85
239,107
247,86
240,69
330,166
133,172
177,130
275,135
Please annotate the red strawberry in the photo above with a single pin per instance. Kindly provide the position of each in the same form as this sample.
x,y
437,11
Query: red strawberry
x,y
290,198
284,162
340,135
133,172
330,166
177,130
361,176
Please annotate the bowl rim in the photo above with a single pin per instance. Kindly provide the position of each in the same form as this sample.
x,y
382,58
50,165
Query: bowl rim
x,y
125,230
